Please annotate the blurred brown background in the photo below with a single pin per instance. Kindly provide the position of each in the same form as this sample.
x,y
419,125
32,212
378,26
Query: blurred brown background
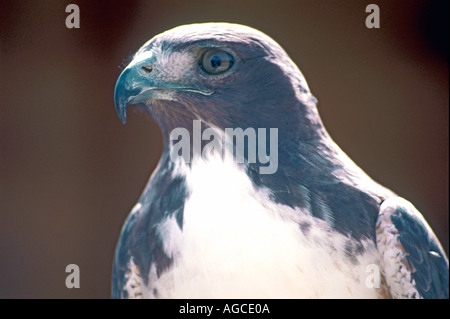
x,y
70,171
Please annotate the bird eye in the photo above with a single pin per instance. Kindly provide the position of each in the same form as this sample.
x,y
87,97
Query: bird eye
x,y
216,62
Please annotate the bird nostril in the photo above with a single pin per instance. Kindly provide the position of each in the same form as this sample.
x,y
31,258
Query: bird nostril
x,y
147,68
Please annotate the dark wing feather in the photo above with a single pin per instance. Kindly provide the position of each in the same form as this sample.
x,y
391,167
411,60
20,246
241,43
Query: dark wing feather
x,y
123,256
413,261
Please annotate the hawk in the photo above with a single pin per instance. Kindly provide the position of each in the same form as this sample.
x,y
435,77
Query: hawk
x,y
273,210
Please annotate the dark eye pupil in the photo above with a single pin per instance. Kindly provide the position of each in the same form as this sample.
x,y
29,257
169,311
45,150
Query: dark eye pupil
x,y
216,61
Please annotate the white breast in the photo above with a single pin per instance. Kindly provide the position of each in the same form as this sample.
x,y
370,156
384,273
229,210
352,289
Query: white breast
x,y
236,243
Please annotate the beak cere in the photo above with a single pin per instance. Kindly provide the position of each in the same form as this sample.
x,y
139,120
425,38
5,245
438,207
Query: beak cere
x,y
147,68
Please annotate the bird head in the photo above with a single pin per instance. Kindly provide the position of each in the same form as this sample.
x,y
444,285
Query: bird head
x,y
226,75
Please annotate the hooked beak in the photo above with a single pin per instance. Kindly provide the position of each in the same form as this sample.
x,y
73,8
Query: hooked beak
x,y
130,89
138,84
